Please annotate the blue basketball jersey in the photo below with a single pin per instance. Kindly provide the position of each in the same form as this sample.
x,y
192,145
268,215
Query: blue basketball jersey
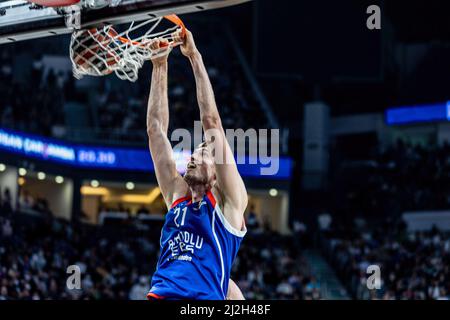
x,y
198,247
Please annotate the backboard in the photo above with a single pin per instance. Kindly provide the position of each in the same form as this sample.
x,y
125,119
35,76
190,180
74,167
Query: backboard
x,y
21,20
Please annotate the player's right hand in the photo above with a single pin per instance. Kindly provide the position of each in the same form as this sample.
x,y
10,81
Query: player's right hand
x,y
188,47
160,48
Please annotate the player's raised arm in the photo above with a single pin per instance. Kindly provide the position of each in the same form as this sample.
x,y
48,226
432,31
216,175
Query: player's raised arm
x,y
170,182
229,181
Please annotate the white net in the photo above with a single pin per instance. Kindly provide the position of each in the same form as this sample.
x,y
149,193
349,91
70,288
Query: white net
x,y
96,4
102,51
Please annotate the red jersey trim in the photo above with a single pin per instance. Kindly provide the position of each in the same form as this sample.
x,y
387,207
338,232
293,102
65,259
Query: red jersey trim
x,y
152,295
211,198
177,202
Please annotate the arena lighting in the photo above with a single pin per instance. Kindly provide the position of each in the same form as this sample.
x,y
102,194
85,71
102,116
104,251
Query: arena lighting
x,y
273,192
22,172
89,191
21,181
41,176
129,185
154,194
448,110
59,179
437,112
2,167
95,184
138,198
111,158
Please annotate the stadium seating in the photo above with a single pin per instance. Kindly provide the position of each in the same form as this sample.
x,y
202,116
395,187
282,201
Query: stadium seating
x,y
404,177
415,265
117,261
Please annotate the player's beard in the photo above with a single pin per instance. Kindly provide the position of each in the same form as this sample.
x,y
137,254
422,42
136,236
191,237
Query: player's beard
x,y
193,178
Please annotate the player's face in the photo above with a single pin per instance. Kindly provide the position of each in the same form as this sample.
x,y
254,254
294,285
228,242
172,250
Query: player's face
x,y
200,168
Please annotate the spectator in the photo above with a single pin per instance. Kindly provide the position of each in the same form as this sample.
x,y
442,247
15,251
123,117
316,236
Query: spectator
x,y
252,220
6,203
7,230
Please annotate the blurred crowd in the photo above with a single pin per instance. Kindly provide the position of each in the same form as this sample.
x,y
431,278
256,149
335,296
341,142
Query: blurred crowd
x,y
33,104
417,176
117,262
36,204
366,227
270,266
412,265
35,256
37,96
404,177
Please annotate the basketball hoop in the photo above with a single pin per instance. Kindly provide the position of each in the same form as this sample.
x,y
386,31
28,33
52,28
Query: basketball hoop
x,y
102,51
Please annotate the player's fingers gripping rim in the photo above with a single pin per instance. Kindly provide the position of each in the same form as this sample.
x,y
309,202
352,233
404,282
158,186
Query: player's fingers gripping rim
x,y
153,44
178,36
158,43
159,47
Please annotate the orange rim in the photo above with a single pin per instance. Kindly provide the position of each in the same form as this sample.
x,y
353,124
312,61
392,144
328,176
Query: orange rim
x,y
176,20
172,18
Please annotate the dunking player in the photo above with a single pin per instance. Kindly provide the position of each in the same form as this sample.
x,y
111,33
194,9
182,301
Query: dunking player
x,y
204,226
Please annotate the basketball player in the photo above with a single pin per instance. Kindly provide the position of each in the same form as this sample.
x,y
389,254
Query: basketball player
x,y
204,225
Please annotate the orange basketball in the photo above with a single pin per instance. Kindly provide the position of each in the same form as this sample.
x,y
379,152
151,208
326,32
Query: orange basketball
x,y
92,54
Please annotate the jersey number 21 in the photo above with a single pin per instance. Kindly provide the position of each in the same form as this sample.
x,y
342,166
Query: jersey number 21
x,y
177,214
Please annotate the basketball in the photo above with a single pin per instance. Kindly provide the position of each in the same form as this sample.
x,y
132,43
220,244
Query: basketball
x,y
91,55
